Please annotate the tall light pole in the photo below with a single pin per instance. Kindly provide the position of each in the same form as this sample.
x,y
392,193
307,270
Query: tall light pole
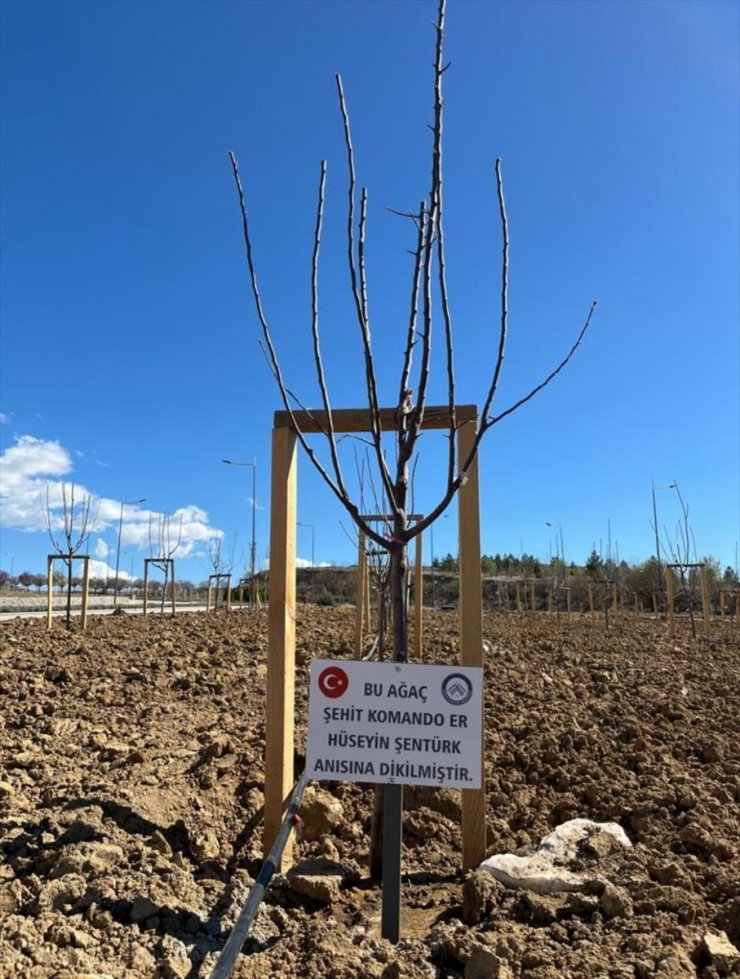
x,y
253,546
313,563
118,548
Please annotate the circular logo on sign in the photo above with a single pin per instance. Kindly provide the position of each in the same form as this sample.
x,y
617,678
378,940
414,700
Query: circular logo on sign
x,y
333,681
457,689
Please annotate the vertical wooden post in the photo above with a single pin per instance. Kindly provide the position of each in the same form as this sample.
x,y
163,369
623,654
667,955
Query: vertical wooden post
x,y
172,566
705,611
637,604
471,633
534,606
418,599
367,612
360,597
590,598
518,597
146,584
85,590
615,597
549,599
655,604
280,707
228,593
567,600
669,597
722,606
208,596
49,584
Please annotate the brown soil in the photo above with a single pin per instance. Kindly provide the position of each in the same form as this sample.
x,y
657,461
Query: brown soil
x,y
131,804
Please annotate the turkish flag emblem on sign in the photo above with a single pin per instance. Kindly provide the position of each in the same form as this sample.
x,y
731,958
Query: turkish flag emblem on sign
x,y
333,681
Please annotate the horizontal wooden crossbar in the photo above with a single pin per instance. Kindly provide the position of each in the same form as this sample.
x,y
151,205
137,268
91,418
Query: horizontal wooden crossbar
x,y
374,517
358,419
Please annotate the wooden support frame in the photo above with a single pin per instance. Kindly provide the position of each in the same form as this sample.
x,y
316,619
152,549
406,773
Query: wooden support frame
x,y
157,562
217,579
50,559
280,704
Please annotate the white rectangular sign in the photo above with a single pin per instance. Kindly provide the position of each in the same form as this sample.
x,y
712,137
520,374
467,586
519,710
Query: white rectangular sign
x,y
396,723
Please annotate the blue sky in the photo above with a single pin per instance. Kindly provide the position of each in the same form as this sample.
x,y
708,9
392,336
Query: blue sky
x,y
130,362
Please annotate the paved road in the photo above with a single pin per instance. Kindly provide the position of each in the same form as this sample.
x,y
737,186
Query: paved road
x,y
153,609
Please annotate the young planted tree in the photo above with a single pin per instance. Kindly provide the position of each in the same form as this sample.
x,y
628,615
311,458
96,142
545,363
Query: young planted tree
x,y
680,554
222,561
428,300
162,548
75,530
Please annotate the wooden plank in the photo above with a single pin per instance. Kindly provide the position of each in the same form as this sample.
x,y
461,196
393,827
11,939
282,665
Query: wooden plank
x,y
172,566
669,596
471,634
358,419
146,584
50,583
418,599
280,706
705,600
85,589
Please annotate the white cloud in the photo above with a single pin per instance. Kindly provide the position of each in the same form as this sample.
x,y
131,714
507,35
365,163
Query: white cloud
x,y
31,473
102,548
24,471
4,419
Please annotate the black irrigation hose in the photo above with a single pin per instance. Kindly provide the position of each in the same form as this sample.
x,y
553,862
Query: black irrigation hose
x,y
227,959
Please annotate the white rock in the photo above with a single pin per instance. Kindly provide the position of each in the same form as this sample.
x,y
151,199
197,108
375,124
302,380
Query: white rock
x,y
721,953
549,870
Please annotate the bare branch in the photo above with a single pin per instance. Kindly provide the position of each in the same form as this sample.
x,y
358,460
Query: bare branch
x,y
437,182
504,292
315,333
488,422
275,365
405,394
360,298
434,208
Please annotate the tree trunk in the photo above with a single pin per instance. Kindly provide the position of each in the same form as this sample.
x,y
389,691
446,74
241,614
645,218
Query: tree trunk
x,y
69,594
399,607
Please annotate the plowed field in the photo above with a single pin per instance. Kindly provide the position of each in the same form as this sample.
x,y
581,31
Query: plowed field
x,y
131,786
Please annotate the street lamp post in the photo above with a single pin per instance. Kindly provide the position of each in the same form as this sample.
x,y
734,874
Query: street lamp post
x,y
313,563
118,548
253,546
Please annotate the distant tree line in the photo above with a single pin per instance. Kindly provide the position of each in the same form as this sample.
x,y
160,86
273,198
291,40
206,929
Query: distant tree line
x,y
329,585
